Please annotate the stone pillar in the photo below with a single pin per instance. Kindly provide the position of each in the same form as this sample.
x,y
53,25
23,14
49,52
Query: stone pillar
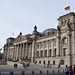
x,y
33,50
52,48
69,48
23,51
73,44
47,48
43,50
14,52
26,50
58,46
18,50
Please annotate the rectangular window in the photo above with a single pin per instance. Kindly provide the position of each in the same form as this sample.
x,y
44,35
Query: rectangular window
x,y
54,62
41,45
37,53
41,53
39,62
61,62
45,44
64,51
54,42
50,53
38,46
49,43
48,62
45,53
55,52
43,62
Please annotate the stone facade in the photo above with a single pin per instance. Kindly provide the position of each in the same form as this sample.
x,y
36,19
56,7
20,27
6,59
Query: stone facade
x,y
51,47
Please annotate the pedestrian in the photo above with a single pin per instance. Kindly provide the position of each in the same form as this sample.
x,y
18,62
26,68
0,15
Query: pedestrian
x,y
74,69
66,70
70,70
24,65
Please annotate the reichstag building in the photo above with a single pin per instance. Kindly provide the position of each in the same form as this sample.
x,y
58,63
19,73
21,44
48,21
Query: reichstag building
x,y
50,47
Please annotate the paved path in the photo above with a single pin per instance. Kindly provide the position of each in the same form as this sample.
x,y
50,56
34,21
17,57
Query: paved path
x,y
6,69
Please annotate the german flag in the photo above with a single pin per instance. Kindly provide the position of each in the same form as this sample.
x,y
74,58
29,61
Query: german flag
x,y
67,8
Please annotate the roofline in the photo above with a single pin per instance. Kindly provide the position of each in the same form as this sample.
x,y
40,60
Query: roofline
x,y
71,13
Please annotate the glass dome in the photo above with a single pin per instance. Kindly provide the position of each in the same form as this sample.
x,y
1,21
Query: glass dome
x,y
49,31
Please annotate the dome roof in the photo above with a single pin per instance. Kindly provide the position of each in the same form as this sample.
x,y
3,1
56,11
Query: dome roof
x,y
49,31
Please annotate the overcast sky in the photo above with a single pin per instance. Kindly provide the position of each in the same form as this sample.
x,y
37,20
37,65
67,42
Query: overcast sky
x,y
22,15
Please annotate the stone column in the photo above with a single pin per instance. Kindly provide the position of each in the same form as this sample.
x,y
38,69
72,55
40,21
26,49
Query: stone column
x,y
47,48
23,51
69,48
18,50
43,50
26,50
14,52
33,50
58,46
53,48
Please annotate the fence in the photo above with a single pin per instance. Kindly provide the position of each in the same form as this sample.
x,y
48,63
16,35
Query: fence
x,y
32,73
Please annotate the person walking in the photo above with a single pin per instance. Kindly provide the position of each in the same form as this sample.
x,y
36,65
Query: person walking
x,y
70,70
66,70
74,70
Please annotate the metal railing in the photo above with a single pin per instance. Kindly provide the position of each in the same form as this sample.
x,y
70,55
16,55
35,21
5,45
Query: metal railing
x,y
32,73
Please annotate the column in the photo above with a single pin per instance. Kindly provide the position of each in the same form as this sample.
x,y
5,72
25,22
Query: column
x,y
15,52
47,48
58,46
26,49
23,51
33,50
43,50
18,50
69,49
52,48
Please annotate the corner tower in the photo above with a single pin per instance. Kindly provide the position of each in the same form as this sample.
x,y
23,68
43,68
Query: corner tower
x,y
66,25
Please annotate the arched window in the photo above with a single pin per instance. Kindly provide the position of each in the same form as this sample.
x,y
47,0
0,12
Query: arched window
x,y
64,51
55,52
50,51
65,40
53,62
